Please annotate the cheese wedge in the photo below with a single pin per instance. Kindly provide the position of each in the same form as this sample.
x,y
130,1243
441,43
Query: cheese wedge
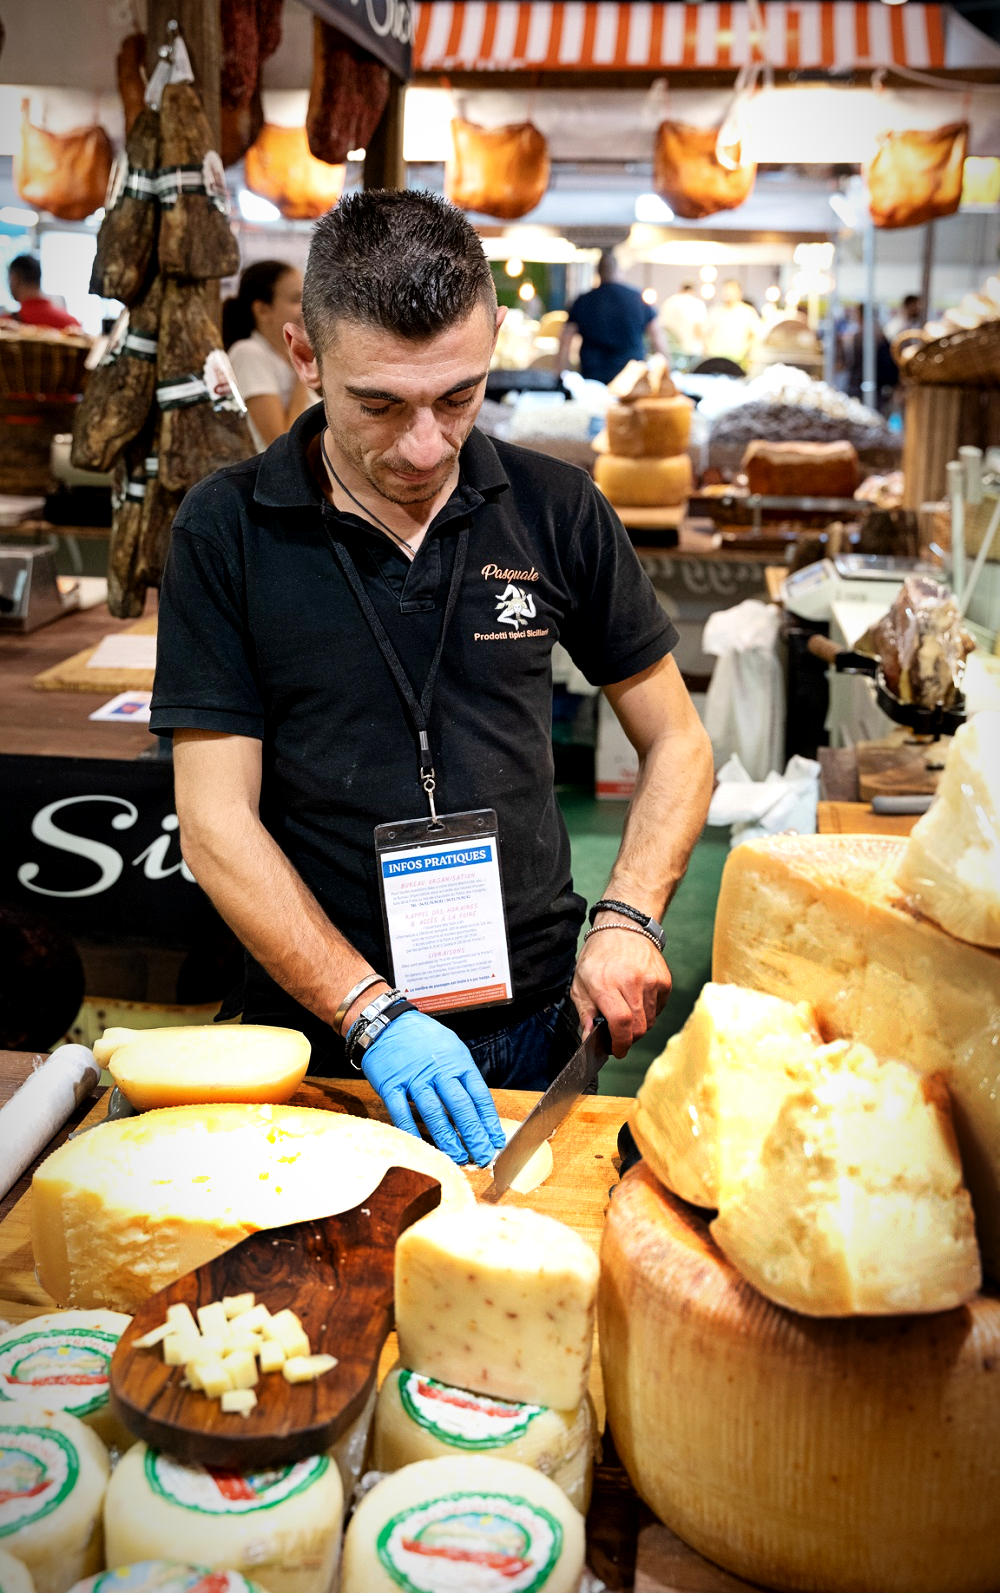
x,y
709,1099
500,1301
834,1455
121,1212
950,867
856,1204
190,1067
821,919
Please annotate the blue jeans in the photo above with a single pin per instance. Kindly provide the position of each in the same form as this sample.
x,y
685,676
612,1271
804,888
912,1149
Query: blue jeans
x,y
529,1054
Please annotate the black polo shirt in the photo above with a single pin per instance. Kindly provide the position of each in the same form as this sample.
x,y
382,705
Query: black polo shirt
x,y
260,635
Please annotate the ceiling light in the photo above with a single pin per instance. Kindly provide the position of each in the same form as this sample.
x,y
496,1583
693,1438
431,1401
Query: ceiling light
x,y
649,295
254,208
773,294
894,2
356,154
514,266
651,208
526,291
18,218
708,273
708,290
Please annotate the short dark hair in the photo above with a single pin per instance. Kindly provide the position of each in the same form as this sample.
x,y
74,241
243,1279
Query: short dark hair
x,y
607,266
256,286
27,268
406,261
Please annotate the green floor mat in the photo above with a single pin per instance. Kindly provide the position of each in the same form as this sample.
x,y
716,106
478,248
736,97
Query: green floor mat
x,y
595,833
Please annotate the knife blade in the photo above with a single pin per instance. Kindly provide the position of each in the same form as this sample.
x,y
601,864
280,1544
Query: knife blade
x,y
580,1071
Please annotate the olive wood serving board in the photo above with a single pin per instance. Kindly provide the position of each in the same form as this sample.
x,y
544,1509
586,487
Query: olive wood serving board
x,y
336,1274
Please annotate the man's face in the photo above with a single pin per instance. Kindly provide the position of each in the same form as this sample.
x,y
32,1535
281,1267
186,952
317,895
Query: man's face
x,y
399,411
16,286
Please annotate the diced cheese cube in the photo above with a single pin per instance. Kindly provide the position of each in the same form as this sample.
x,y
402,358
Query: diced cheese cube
x,y
271,1356
213,1321
286,1328
213,1376
306,1368
154,1336
237,1304
180,1319
192,1376
255,1319
238,1401
178,1348
243,1341
241,1367
500,1301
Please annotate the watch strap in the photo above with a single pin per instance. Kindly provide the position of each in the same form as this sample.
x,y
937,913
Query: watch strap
x,y
650,925
373,1021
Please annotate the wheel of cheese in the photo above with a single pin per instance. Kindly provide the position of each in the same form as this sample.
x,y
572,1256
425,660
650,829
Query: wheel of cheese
x,y
650,427
122,1212
53,1474
643,483
464,1525
418,1418
187,1066
14,1577
63,1359
281,1527
829,1457
165,1576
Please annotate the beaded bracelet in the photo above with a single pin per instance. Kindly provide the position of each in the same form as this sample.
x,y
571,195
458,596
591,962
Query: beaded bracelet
x,y
630,929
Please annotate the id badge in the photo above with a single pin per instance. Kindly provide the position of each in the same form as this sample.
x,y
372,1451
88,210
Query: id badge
x,y
443,910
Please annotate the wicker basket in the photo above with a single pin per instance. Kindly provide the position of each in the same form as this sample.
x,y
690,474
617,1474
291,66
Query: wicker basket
x,y
41,362
961,359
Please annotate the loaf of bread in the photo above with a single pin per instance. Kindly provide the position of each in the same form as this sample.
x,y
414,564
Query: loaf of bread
x,y
801,469
643,483
650,427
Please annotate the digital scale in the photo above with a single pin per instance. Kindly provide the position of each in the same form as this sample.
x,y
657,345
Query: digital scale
x,y
811,592
29,589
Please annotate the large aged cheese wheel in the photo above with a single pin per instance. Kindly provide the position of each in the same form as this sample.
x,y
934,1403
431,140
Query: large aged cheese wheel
x,y
190,1066
643,483
650,427
64,1359
122,1211
280,1527
53,1473
471,1524
820,918
827,1457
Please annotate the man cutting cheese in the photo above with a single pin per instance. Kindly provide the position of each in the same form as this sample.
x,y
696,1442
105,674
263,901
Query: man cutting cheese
x,y
354,659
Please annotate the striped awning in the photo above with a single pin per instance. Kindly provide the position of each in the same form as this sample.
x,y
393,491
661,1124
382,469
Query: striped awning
x,y
596,35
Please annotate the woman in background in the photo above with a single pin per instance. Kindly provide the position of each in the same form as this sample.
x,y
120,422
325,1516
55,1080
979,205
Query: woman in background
x,y
269,295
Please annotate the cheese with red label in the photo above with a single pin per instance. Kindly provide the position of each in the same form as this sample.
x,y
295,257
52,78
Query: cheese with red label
x,y
165,1576
63,1359
53,1474
14,1577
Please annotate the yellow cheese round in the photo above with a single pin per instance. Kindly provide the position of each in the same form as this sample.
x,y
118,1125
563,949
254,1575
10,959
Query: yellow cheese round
x,y
280,1527
418,1418
121,1212
14,1577
192,1066
464,1525
165,1576
650,427
643,483
63,1359
53,1473
831,1457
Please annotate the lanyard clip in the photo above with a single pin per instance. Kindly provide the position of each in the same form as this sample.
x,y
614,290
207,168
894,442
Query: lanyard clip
x,y
427,779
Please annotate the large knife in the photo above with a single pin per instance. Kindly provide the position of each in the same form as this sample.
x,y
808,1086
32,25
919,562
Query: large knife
x,y
575,1079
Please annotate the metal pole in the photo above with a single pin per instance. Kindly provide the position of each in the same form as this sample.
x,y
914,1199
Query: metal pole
x,y
928,268
869,389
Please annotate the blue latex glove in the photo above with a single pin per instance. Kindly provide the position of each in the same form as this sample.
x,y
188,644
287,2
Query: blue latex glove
x,y
419,1058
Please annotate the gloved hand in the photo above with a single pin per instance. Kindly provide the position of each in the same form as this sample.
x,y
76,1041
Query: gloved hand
x,y
419,1058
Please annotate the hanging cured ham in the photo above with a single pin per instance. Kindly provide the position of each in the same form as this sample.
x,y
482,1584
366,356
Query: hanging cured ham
x,y
131,67
689,176
63,173
126,243
196,239
916,177
203,423
500,171
280,167
119,394
348,94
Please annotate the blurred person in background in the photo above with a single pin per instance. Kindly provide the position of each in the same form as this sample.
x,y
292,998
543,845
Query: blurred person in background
x,y
269,297
683,317
24,277
909,317
733,327
612,320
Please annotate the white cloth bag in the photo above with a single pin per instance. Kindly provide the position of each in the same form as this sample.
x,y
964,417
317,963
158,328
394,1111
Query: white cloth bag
x,y
745,706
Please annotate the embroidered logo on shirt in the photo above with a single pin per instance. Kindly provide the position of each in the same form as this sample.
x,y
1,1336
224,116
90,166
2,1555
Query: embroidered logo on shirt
x,y
515,607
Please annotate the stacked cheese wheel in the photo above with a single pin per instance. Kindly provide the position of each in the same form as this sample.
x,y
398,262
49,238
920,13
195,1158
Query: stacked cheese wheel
x,y
647,465
63,1361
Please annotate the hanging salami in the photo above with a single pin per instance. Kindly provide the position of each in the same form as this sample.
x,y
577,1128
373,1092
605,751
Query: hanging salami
x,y
126,591
203,416
239,129
916,177
196,239
63,173
126,243
689,176
119,392
349,92
501,171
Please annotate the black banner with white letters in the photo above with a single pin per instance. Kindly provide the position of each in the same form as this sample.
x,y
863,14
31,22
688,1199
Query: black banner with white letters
x,y
92,843
382,27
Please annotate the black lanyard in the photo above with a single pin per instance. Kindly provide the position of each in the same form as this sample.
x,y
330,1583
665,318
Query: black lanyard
x,y
419,710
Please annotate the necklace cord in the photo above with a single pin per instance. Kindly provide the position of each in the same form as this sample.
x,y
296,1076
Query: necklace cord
x,y
347,491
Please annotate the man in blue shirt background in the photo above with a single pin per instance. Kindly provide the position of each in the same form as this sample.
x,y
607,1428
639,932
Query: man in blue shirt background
x,y
612,320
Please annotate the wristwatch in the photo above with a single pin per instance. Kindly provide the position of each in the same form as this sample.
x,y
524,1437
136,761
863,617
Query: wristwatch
x,y
373,1021
650,925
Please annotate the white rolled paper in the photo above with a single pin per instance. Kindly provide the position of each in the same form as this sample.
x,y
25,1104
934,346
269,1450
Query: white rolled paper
x,y
41,1106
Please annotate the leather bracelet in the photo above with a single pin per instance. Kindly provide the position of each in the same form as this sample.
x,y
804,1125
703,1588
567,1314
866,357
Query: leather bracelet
x,y
351,997
375,1018
630,929
644,920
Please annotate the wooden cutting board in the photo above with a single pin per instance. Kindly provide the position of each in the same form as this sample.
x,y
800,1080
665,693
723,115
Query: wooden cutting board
x,y
897,767
74,674
666,1565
